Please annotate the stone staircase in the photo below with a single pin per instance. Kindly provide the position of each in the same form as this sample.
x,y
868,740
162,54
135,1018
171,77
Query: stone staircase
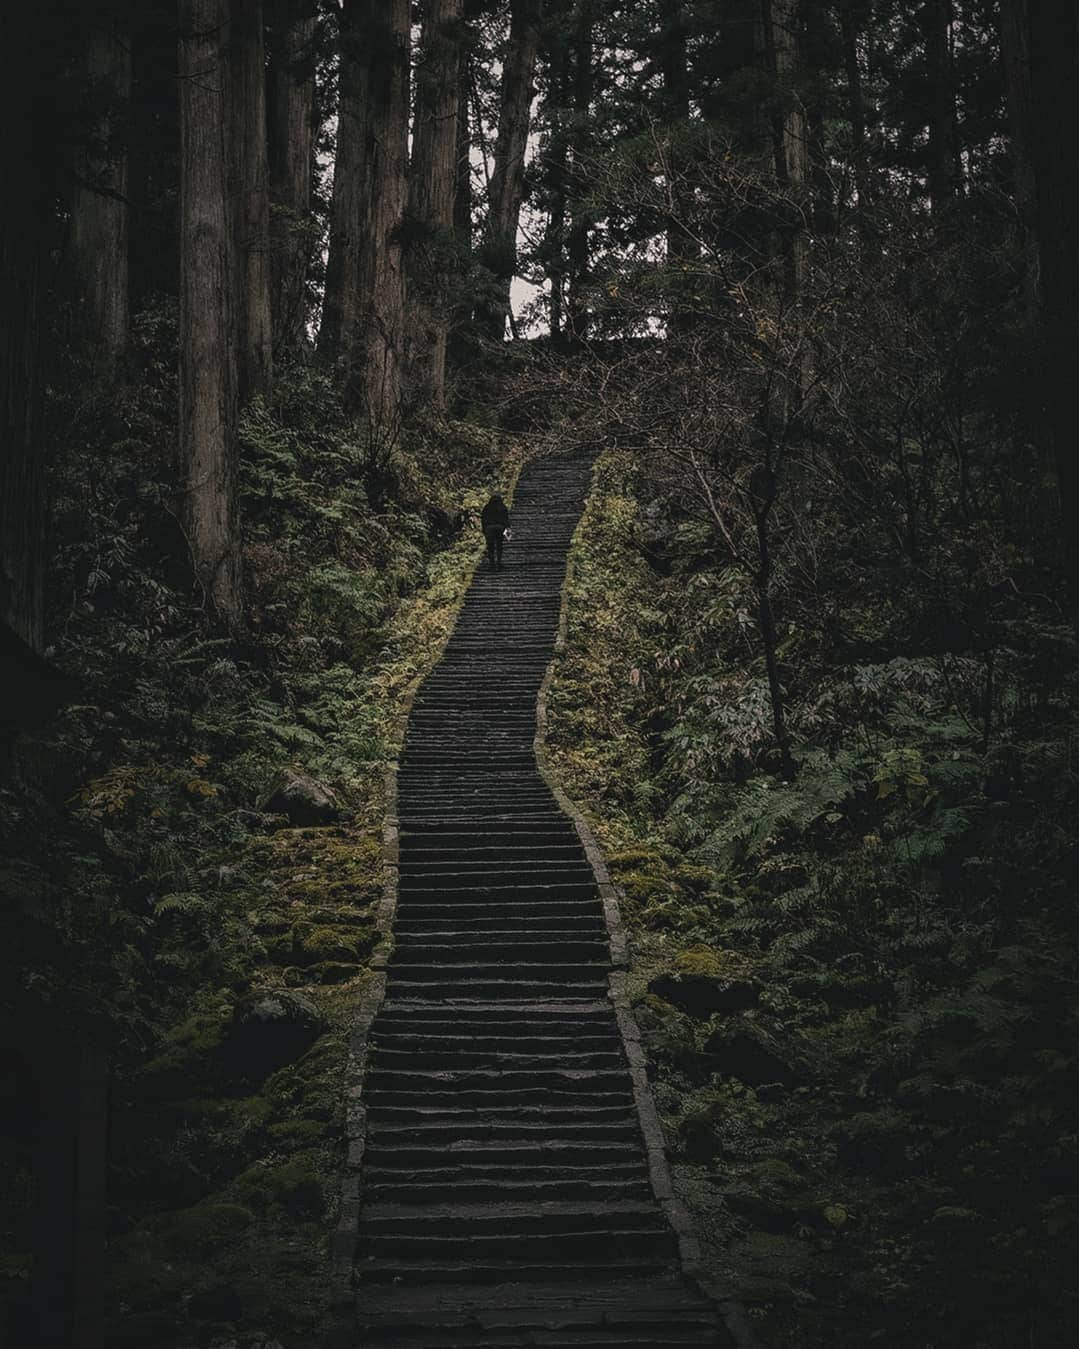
x,y
506,1194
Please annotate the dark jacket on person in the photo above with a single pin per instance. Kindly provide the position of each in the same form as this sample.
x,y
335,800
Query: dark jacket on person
x,y
495,515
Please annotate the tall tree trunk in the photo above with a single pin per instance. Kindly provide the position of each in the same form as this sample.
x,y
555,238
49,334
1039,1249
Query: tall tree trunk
x,y
683,250
1054,79
852,67
943,146
556,176
817,56
250,198
461,333
27,153
389,22
99,210
462,192
789,134
207,310
1015,53
432,190
340,332
507,177
577,250
291,107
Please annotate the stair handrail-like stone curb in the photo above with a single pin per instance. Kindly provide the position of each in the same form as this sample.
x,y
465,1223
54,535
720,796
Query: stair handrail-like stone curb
x,y
659,1174
346,1235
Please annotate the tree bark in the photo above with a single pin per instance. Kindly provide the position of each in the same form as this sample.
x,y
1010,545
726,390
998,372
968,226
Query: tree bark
x,y
343,303
99,210
389,22
943,146
1015,54
556,177
462,199
291,105
1054,77
499,251
577,249
856,116
461,345
207,323
250,198
683,250
789,135
27,152
433,183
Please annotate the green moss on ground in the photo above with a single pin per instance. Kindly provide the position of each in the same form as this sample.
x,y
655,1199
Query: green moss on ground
x,y
183,897
858,1042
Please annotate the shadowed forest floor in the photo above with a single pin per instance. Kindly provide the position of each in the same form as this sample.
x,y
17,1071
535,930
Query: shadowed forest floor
x,y
861,1050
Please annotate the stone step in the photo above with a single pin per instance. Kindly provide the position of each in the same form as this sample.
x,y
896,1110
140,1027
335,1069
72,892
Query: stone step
x,y
463,1116
431,1092
434,850
470,1335
466,949
514,1220
423,1189
499,1019
475,875
501,925
628,1170
393,1132
519,1245
492,1041
552,826
567,1082
423,892
579,911
506,1271
468,992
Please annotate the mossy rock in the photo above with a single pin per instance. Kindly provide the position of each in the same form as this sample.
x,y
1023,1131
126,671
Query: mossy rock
x,y
637,859
340,915
270,921
279,947
694,878
703,980
671,913
699,1132
775,1209
776,1174
189,1055
299,1131
203,1227
269,1029
244,1113
336,972
317,944
295,1185
753,1056
648,887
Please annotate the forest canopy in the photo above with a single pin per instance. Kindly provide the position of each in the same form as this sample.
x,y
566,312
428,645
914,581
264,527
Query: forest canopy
x,y
289,287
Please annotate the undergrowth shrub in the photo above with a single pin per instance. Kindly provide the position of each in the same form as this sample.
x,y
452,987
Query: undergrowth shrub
x,y
873,1129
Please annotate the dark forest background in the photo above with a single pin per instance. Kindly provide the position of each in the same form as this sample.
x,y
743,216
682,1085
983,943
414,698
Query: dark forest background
x,y
804,274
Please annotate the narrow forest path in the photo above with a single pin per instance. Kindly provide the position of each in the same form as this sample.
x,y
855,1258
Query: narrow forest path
x,y
507,1196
